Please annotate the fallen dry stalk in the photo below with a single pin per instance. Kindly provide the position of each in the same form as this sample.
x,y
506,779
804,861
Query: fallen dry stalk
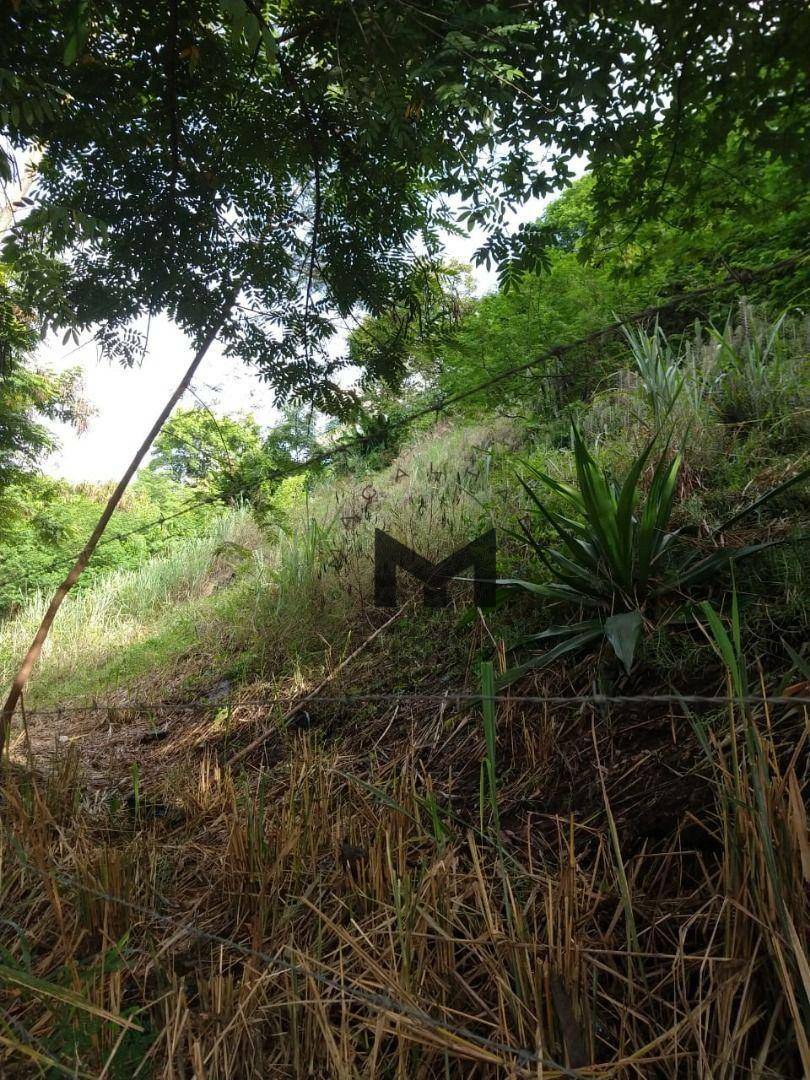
x,y
261,739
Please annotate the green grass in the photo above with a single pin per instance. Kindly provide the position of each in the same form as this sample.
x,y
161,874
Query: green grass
x,y
255,603
129,620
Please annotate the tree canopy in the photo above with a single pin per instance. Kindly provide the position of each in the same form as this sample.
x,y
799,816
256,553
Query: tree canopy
x,y
229,458
195,442
298,157
29,396
749,216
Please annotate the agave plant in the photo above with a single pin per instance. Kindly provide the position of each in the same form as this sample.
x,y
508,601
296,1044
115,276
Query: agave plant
x,y
658,367
618,556
757,376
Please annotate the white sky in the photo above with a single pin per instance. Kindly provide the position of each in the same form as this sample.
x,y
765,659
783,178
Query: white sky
x,y
127,401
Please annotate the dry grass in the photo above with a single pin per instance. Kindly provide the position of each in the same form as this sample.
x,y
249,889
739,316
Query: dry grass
x,y
632,930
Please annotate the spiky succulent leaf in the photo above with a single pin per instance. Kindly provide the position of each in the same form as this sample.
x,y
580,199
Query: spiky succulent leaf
x,y
623,631
570,645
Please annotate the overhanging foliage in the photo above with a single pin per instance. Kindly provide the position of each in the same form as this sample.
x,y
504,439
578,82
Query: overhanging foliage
x,y
301,150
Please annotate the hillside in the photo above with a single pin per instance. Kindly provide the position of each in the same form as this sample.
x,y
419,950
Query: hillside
x,y
266,828
412,679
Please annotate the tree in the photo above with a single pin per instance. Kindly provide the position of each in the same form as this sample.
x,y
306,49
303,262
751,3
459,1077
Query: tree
x,y
195,443
293,152
220,456
29,396
229,459
261,179
751,215
294,437
407,339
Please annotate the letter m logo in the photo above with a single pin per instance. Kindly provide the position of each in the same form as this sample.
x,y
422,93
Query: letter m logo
x,y
389,554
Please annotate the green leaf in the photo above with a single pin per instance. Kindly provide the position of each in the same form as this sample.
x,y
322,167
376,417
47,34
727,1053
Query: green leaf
x,y
61,993
567,491
693,571
490,734
571,645
656,514
528,586
270,43
724,646
627,496
253,32
623,632
568,630
600,510
71,50
797,479
799,663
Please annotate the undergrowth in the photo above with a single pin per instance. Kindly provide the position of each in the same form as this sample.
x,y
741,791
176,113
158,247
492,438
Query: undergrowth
x,y
413,887
375,915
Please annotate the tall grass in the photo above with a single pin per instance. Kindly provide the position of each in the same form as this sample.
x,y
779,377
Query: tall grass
x,y
125,606
766,866
271,603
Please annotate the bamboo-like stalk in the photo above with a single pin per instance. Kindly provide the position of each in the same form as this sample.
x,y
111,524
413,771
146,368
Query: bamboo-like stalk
x,y
41,636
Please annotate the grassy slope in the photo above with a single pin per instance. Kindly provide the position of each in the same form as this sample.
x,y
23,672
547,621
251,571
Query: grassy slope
x,y
640,904
280,606
240,603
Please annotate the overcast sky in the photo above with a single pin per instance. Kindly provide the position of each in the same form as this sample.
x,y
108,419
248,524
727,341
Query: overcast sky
x,y
127,401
